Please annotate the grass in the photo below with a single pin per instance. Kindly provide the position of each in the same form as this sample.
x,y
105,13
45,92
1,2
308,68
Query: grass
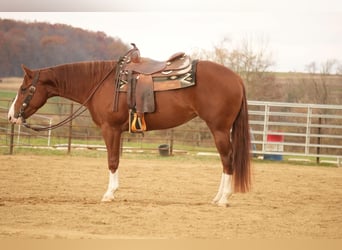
x,y
7,94
6,98
150,153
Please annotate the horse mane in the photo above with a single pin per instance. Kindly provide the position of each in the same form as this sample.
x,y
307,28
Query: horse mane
x,y
93,69
73,77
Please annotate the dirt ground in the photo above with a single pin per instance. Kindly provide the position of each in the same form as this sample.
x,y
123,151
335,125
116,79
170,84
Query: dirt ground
x,y
59,197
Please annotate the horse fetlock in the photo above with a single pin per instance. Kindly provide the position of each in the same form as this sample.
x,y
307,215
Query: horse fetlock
x,y
217,198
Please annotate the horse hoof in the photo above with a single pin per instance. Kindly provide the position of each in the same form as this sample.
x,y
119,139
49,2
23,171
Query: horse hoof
x,y
107,199
214,202
222,204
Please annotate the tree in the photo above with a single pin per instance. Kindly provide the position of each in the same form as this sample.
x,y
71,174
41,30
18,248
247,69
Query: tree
x,y
339,68
251,59
319,79
39,45
318,84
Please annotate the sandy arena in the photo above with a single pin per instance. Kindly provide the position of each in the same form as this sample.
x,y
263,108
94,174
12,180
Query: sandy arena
x,y
59,197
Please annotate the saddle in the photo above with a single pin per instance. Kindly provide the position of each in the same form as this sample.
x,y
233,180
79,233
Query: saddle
x,y
141,77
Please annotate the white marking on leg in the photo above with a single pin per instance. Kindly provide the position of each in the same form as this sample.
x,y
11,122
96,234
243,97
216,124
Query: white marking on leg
x,y
225,190
220,191
113,185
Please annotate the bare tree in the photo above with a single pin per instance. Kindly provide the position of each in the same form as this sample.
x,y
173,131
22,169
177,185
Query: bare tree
x,y
251,59
339,68
319,79
317,84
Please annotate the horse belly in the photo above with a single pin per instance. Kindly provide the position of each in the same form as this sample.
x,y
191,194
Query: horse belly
x,y
173,108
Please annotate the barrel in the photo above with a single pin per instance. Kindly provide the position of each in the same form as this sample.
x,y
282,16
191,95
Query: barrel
x,y
164,150
274,137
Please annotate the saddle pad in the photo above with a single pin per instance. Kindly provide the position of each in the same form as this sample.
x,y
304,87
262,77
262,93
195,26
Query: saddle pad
x,y
165,82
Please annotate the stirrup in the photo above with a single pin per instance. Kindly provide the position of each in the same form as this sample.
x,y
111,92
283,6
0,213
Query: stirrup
x,y
138,124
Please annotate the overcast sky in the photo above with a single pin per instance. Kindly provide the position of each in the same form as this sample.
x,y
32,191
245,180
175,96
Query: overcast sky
x,y
298,32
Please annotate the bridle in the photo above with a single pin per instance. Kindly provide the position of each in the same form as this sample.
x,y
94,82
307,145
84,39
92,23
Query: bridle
x,y
26,102
78,112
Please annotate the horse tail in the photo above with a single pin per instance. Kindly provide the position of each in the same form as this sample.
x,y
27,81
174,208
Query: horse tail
x,y
241,145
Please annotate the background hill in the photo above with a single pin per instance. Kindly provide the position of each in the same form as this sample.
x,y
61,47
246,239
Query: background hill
x,y
40,45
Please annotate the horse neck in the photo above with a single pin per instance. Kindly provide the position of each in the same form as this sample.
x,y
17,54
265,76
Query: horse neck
x,y
76,81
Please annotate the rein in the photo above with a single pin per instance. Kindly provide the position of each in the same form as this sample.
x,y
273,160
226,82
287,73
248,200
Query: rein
x,y
71,117
131,55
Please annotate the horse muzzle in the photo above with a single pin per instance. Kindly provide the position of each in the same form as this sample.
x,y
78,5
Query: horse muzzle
x,y
15,117
14,120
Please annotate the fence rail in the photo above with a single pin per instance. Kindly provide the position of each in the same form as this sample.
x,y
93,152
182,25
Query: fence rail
x,y
300,130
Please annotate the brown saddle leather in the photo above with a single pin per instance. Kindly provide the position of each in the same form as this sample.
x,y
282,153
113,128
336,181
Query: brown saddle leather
x,y
140,77
149,66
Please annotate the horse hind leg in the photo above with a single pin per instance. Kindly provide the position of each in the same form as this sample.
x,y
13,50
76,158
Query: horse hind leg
x,y
222,141
225,191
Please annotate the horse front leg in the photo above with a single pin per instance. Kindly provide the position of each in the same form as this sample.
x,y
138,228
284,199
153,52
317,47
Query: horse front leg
x,y
112,139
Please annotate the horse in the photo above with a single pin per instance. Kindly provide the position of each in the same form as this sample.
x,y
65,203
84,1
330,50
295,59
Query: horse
x,y
218,98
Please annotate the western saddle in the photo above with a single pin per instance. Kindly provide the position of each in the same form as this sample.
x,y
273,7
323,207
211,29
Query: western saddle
x,y
141,77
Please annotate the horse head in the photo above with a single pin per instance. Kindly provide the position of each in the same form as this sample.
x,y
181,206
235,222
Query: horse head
x,y
30,97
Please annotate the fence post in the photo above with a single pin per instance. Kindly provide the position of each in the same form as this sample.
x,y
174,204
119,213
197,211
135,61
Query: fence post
x,y
171,141
121,145
318,149
70,127
308,130
11,139
265,131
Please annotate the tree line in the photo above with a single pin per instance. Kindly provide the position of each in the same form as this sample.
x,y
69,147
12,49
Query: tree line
x,y
253,61
39,45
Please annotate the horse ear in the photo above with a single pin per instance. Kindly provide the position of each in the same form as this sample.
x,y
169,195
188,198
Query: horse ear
x,y
27,71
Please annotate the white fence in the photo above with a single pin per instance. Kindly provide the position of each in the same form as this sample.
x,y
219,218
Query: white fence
x,y
22,137
296,129
278,129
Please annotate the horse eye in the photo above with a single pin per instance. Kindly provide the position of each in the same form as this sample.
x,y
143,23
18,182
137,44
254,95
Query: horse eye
x,y
23,89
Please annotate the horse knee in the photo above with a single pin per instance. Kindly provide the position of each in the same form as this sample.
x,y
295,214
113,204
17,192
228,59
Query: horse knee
x,y
113,165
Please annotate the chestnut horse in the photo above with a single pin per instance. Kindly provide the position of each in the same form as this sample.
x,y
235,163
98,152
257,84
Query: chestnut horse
x,y
218,98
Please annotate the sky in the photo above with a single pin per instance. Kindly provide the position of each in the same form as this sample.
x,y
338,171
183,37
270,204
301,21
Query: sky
x,y
297,32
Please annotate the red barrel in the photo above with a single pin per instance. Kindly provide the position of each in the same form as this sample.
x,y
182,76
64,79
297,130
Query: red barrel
x,y
272,137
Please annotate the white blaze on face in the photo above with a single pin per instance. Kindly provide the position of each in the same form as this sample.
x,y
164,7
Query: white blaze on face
x,y
11,110
10,115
